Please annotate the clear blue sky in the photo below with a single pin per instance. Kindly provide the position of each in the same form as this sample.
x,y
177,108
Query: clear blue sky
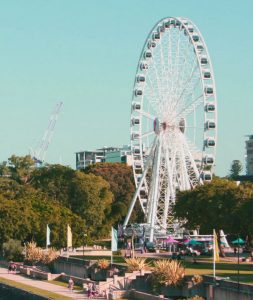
x,y
85,53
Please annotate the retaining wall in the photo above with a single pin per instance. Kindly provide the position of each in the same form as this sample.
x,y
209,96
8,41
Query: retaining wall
x,y
225,289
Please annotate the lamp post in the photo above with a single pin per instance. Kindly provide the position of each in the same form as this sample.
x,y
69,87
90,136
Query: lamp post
x,y
238,264
198,228
84,235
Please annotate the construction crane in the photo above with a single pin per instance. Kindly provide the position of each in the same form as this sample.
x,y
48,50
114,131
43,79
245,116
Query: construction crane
x,y
39,153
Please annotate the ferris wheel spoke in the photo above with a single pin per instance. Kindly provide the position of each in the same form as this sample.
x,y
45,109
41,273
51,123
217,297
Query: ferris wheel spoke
x,y
147,115
146,134
189,108
186,84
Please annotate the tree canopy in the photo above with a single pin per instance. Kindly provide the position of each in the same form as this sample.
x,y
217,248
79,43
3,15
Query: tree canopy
x,y
120,178
221,204
236,169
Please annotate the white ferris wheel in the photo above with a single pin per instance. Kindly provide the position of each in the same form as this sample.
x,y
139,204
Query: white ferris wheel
x,y
173,120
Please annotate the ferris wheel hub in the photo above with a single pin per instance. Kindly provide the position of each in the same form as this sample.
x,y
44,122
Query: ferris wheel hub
x,y
168,126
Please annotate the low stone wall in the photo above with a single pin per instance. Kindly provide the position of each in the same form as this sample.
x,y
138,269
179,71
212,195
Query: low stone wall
x,y
117,294
5,264
71,268
145,296
77,280
223,289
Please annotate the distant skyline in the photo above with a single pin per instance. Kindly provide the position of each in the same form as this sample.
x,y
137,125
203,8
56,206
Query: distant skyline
x,y
85,54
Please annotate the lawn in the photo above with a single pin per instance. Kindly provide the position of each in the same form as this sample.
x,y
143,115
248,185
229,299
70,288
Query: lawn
x,y
204,266
223,269
116,259
33,290
61,283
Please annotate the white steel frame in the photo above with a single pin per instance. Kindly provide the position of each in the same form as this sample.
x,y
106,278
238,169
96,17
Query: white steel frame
x,y
173,120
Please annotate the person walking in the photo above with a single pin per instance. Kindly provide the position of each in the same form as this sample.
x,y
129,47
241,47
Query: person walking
x,y
71,284
89,291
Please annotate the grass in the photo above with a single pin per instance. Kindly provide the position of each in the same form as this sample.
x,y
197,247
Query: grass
x,y
61,283
116,258
33,290
203,267
223,269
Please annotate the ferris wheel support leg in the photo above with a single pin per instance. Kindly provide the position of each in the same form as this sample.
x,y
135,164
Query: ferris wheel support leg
x,y
155,194
170,192
135,198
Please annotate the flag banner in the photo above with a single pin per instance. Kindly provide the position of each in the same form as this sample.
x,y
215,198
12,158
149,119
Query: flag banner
x,y
48,235
69,237
114,245
216,256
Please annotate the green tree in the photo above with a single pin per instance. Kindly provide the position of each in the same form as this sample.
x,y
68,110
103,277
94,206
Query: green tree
x,y
91,199
236,169
120,178
55,181
4,170
211,206
21,168
13,250
86,195
25,213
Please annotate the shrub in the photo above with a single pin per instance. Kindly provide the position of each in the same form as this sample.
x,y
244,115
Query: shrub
x,y
33,253
136,264
167,272
196,279
13,250
103,263
49,256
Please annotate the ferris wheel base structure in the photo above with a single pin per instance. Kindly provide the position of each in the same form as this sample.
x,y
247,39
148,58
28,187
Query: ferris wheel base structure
x,y
173,125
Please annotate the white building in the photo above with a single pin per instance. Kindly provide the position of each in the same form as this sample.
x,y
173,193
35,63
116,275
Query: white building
x,y
106,154
249,156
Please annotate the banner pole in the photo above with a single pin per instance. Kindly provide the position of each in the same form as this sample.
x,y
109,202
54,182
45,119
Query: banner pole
x,y
112,245
214,249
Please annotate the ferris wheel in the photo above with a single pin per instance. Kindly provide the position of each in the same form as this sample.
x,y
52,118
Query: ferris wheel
x,y
173,120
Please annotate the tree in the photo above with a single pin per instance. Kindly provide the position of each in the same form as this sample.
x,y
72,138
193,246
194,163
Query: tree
x,y
91,199
13,250
86,195
4,170
236,169
210,206
25,213
55,181
21,168
120,178
221,204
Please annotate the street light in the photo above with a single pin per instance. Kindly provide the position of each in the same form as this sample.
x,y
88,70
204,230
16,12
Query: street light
x,y
198,228
238,264
84,235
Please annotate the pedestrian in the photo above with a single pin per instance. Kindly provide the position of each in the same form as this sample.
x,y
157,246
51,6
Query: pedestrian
x,y
10,267
71,284
14,268
89,291
93,289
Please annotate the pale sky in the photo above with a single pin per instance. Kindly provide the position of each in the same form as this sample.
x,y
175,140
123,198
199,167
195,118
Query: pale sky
x,y
85,54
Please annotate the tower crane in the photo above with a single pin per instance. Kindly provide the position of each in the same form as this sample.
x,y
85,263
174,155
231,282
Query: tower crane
x,y
40,152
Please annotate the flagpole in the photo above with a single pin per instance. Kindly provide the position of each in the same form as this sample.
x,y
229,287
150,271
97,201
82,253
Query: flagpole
x,y
111,246
47,237
214,249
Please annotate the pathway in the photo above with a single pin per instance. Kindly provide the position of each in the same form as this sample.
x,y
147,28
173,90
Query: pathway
x,y
43,285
